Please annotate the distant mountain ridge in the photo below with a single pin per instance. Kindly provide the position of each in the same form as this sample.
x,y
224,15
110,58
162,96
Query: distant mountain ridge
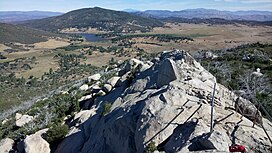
x,y
130,10
209,13
102,19
17,16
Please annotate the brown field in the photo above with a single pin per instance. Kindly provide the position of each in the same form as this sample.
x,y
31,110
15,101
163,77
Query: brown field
x,y
51,44
211,36
101,59
40,51
205,37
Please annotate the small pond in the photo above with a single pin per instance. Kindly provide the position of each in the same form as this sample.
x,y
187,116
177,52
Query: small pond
x,y
91,37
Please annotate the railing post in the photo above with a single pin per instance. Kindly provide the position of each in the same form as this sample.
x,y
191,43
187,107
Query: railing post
x,y
212,104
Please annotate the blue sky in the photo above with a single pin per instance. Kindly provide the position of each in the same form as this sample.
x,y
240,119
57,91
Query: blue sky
x,y
67,5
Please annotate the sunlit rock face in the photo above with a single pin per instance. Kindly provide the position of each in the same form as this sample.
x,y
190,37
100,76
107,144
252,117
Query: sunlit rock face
x,y
167,103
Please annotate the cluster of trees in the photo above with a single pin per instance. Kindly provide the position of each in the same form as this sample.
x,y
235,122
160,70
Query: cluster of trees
x,y
11,80
69,67
68,61
126,43
151,43
159,37
17,64
48,113
237,73
15,90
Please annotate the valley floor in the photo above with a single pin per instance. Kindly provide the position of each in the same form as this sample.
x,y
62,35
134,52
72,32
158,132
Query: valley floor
x,y
41,58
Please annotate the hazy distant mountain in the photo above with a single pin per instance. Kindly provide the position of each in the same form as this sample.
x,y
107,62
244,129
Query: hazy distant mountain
x,y
96,17
16,16
130,10
209,13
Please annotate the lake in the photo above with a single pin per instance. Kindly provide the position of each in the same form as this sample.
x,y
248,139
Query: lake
x,y
91,37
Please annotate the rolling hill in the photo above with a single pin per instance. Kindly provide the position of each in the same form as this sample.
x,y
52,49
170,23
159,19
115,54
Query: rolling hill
x,y
20,34
17,16
96,17
216,21
209,13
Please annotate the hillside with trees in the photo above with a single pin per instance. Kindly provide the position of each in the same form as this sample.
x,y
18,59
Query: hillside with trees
x,y
15,33
102,19
246,69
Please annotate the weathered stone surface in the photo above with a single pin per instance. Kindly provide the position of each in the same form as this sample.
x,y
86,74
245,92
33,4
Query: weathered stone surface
x,y
144,67
167,73
135,62
72,142
248,109
107,88
83,116
101,93
87,97
6,145
133,65
18,116
113,81
212,141
95,87
142,113
84,87
94,77
36,144
21,121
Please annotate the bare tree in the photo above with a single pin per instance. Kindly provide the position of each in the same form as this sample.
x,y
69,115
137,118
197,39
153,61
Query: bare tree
x,y
253,84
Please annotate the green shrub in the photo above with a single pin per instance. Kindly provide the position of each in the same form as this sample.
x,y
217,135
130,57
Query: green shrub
x,y
151,147
56,133
106,108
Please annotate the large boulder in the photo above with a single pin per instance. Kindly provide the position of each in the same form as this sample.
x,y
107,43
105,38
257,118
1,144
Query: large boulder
x,y
84,87
167,72
133,65
36,144
83,116
176,55
113,81
211,141
6,145
166,105
18,116
107,88
21,120
248,109
100,93
94,77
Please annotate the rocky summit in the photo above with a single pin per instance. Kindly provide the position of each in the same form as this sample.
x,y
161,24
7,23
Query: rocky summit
x,y
162,105
166,107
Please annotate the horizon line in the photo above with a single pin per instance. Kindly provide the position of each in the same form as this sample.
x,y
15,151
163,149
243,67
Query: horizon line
x,y
136,10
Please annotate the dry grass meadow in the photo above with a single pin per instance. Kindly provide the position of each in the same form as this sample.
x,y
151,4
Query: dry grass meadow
x,y
205,37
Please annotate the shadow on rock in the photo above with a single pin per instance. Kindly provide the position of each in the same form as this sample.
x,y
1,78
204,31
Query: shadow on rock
x,y
179,138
